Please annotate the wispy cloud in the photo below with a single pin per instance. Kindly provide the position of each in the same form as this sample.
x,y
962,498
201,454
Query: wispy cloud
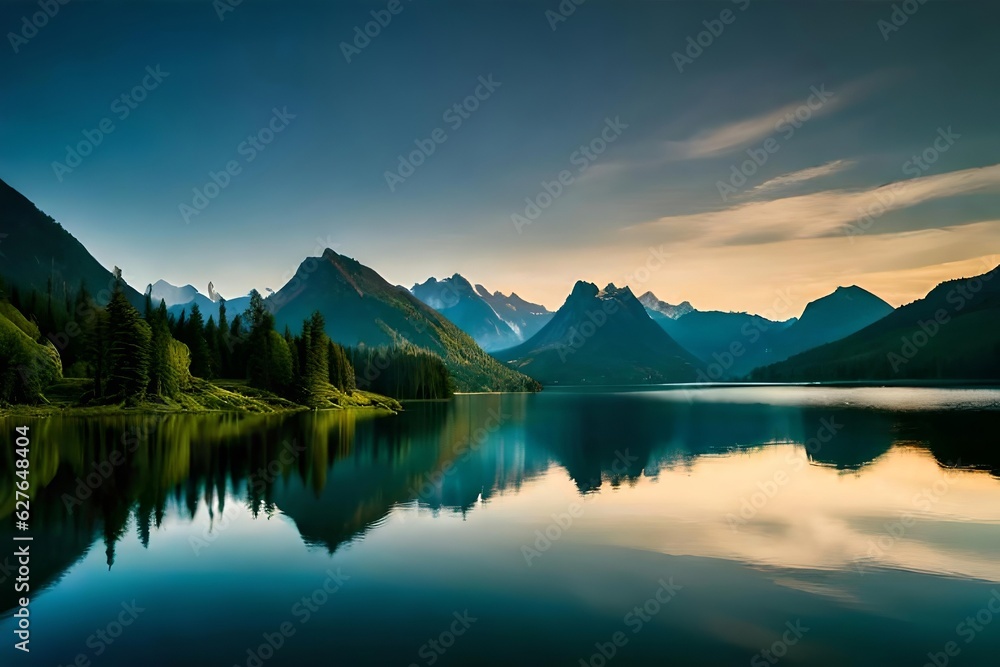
x,y
729,137
742,133
802,176
822,213
818,100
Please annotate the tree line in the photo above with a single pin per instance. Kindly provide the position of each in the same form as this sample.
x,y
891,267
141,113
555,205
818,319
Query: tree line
x,y
134,356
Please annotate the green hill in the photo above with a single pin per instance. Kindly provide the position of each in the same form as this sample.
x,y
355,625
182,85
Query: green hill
x,y
26,366
361,308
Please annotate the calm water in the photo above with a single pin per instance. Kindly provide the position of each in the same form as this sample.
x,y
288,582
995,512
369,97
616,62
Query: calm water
x,y
678,527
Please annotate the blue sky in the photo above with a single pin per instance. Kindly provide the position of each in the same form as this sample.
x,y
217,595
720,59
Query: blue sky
x,y
648,211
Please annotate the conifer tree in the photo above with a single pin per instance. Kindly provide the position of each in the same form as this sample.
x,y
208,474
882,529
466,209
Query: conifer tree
x,y
129,339
194,336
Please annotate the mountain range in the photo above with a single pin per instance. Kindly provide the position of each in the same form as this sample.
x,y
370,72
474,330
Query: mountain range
x,y
495,321
180,299
602,337
596,337
952,333
731,345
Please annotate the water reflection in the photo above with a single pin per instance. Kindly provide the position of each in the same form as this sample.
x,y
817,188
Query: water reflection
x,y
787,478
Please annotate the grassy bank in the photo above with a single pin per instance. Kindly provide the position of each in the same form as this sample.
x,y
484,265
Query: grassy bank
x,y
69,396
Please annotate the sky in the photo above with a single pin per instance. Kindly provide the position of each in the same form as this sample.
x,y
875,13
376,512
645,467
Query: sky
x,y
799,147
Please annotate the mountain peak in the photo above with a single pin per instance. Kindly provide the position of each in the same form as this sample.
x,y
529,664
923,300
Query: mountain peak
x,y
602,337
861,298
460,281
583,289
650,301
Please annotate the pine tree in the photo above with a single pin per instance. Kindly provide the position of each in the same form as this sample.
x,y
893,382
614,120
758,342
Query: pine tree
x,y
237,349
295,348
129,339
214,353
168,372
223,344
180,326
194,337
316,367
269,360
341,370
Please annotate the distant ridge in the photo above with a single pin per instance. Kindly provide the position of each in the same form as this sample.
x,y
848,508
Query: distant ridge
x,y
650,301
456,299
496,321
952,333
733,344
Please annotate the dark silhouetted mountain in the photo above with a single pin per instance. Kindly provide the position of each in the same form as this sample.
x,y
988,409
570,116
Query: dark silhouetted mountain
x,y
733,344
830,318
951,334
456,299
360,307
730,344
35,248
650,301
524,317
602,337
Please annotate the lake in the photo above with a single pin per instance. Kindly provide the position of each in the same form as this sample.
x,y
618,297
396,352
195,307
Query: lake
x,y
660,526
